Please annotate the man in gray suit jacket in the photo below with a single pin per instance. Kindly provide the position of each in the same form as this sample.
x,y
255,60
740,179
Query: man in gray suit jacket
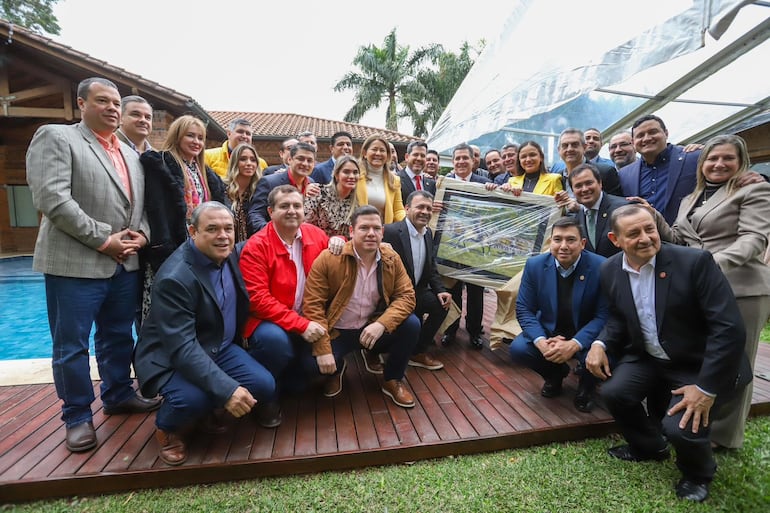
x,y
90,188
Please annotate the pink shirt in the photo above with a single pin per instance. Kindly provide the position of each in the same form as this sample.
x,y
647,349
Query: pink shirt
x,y
365,297
295,254
112,147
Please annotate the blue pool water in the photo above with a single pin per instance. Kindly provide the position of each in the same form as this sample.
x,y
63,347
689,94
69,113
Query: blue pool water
x,y
24,331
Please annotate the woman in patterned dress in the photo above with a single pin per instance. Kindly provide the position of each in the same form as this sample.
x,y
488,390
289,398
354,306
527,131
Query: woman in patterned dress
x,y
243,173
332,208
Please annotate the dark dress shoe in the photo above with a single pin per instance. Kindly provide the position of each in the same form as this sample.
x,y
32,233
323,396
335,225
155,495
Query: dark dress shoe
x,y
135,404
625,453
477,342
269,414
81,437
584,398
447,339
551,388
692,490
214,423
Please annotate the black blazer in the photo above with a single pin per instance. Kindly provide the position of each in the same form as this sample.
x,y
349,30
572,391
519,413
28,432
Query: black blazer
x,y
397,235
257,213
322,173
604,246
184,328
165,205
474,178
699,324
407,186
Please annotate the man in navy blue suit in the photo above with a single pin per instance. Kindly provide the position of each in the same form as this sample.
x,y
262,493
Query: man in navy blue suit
x,y
342,144
412,177
561,312
665,174
463,160
301,162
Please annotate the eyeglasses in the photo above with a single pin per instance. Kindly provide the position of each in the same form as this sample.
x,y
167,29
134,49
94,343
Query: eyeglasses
x,y
619,145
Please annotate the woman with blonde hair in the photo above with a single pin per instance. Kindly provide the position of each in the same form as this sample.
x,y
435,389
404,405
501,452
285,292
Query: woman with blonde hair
x,y
730,218
176,181
378,185
332,209
241,179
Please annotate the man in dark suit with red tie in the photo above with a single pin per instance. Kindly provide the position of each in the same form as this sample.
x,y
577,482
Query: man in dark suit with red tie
x,y
412,177
413,241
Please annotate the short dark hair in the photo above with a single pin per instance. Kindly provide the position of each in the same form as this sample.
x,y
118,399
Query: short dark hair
x,y
582,167
423,193
281,189
85,85
568,222
573,130
493,150
648,117
302,146
133,98
365,210
462,147
416,144
238,122
342,133
510,145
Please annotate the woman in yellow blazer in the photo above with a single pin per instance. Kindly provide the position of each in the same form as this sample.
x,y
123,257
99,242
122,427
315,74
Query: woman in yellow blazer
x,y
532,175
378,185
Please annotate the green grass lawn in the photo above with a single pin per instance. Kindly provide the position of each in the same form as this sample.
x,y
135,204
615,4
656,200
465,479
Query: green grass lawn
x,y
567,477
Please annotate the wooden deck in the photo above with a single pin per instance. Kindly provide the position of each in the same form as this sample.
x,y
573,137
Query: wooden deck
x,y
479,402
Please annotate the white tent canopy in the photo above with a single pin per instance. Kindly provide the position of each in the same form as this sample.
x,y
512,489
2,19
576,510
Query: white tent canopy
x,y
698,64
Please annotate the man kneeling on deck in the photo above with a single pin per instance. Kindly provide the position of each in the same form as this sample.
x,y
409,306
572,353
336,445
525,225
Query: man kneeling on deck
x,y
561,311
363,298
189,347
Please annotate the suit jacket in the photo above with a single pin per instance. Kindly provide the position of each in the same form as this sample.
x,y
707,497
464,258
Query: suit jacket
x,y
681,180
270,170
699,324
185,327
75,186
474,178
322,173
537,302
407,185
607,206
733,228
257,214
397,235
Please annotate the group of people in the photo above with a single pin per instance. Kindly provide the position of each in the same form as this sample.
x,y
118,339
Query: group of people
x,y
245,281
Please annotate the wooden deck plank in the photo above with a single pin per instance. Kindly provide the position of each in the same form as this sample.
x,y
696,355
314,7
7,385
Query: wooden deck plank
x,y
480,402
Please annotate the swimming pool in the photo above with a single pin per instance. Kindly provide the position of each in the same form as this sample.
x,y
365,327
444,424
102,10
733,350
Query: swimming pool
x,y
24,332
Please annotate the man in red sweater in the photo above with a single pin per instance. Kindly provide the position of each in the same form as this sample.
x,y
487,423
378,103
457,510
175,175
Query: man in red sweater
x,y
274,263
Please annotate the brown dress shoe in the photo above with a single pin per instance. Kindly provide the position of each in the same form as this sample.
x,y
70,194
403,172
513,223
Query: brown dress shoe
x,y
81,437
333,384
425,361
396,390
172,448
372,361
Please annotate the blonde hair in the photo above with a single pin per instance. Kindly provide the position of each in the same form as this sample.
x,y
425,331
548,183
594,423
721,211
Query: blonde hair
x,y
231,183
176,131
332,186
388,176
736,142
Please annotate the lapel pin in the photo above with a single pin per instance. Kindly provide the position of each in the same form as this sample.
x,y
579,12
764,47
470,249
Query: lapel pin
x,y
604,214
582,278
662,275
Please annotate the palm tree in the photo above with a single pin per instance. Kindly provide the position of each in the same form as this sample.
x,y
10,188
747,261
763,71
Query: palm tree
x,y
436,87
386,73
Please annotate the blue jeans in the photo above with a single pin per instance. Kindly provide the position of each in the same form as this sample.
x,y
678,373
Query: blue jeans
x,y
271,346
185,403
74,305
399,346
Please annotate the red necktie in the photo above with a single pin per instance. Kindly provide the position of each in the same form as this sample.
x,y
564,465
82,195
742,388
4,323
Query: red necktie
x,y
417,179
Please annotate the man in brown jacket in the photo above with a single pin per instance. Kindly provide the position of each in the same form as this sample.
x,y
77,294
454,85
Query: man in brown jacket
x,y
363,298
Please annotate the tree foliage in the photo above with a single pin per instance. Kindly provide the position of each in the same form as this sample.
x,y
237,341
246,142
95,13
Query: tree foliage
x,y
384,74
35,15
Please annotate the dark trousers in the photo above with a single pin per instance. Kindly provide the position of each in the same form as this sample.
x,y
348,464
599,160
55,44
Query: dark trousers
x,y
474,307
623,393
526,353
185,403
399,346
428,303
